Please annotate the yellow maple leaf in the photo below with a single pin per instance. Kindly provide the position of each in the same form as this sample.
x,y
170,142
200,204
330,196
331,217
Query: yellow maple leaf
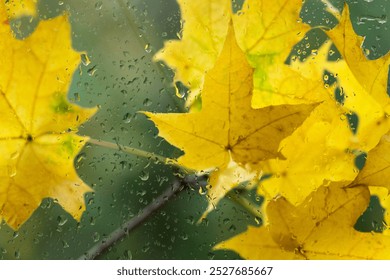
x,y
265,31
320,150
38,136
17,8
227,128
363,84
373,74
205,28
320,228
376,169
312,157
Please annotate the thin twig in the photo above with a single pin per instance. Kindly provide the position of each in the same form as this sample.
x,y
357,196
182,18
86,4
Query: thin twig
x,y
140,153
168,161
121,232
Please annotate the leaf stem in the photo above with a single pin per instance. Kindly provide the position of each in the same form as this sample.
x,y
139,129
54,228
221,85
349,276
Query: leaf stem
x,y
139,153
120,233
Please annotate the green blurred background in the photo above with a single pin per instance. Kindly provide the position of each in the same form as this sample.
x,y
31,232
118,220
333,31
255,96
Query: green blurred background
x,y
120,37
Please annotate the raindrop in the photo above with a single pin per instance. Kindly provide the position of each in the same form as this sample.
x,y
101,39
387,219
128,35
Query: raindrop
x,y
65,244
17,255
85,59
232,228
147,102
96,237
92,71
127,118
184,236
12,171
127,255
180,90
148,48
15,155
61,220
202,191
363,19
144,176
98,5
76,96
145,248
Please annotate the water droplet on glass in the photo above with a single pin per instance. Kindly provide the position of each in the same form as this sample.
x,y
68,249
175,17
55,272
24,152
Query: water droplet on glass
x,y
144,176
85,59
145,248
65,244
232,228
12,171
76,96
148,48
92,71
15,155
61,220
147,102
183,236
363,19
127,118
180,90
96,237
98,5
202,191
127,255
17,255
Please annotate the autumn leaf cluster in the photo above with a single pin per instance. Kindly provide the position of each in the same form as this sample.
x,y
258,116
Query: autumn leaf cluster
x,y
38,124
310,135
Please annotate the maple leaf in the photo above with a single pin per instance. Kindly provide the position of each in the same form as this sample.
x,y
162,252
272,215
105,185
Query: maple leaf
x,y
227,128
376,169
265,31
205,28
362,84
38,136
323,148
373,74
312,157
18,8
320,228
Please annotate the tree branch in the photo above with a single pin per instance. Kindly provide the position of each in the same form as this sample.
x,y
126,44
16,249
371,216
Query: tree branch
x,y
121,232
